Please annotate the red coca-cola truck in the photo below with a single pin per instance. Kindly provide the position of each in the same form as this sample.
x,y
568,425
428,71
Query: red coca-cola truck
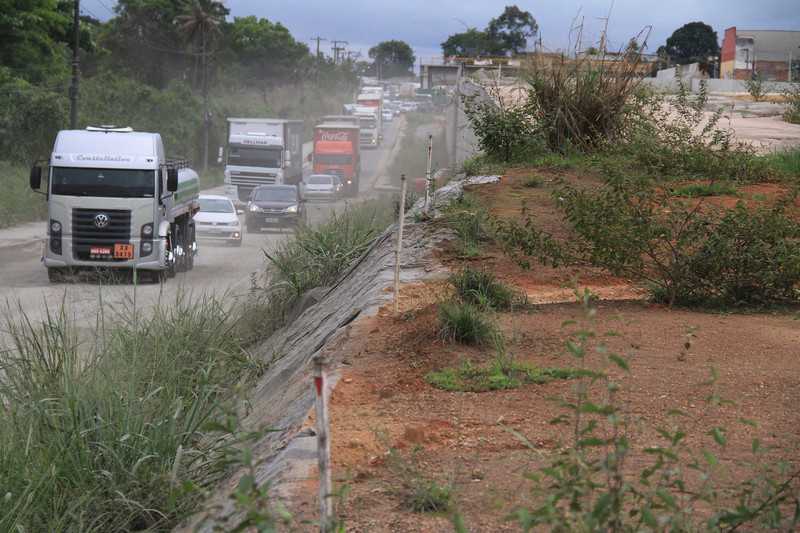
x,y
336,151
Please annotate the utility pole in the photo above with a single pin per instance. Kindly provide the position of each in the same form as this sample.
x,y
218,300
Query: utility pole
x,y
206,115
318,39
73,89
337,49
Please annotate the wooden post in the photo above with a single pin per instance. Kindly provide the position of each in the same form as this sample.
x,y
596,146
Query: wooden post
x,y
402,216
323,447
428,178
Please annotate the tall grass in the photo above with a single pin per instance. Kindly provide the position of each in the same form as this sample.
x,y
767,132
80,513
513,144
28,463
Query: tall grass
x,y
318,255
120,435
18,203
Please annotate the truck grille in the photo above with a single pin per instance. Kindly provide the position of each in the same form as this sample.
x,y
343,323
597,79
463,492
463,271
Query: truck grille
x,y
86,234
251,179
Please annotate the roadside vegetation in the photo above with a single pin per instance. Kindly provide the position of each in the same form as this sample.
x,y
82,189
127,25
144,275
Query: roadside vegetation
x,y
131,431
18,203
670,212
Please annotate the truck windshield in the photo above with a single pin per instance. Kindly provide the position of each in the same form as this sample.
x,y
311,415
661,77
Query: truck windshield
x,y
334,159
254,156
108,182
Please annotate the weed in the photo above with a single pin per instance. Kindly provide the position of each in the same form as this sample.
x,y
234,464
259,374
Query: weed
x,y
756,87
499,375
589,485
469,220
481,164
787,162
696,190
122,435
466,324
533,182
420,493
792,113
481,288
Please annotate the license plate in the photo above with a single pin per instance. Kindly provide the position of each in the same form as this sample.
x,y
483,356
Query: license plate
x,y
271,220
123,251
97,250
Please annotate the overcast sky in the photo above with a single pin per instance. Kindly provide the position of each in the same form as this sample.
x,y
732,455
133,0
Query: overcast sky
x,y
426,23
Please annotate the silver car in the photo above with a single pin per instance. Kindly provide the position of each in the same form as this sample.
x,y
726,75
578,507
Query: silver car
x,y
323,187
218,219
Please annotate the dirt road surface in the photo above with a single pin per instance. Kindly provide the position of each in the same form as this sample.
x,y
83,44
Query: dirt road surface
x,y
219,269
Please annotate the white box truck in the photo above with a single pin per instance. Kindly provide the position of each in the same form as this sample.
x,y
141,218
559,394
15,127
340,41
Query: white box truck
x,y
115,201
262,151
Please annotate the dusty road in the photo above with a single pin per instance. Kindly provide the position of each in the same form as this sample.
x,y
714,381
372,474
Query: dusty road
x,y
219,269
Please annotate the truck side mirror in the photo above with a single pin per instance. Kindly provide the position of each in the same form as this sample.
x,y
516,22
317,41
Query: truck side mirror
x,y
36,177
172,179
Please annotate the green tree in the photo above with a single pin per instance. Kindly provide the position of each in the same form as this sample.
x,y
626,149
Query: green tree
x,y
31,39
393,58
199,24
506,34
471,43
267,53
694,42
509,33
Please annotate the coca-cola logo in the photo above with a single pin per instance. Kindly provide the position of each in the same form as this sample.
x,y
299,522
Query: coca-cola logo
x,y
333,136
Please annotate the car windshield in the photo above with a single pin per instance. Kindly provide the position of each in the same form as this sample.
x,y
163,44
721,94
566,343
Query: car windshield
x,y
108,182
276,194
216,205
254,156
320,180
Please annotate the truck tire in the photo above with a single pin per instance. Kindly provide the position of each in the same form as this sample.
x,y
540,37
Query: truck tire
x,y
181,238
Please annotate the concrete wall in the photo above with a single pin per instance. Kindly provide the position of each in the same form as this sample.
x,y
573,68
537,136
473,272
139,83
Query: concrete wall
x,y
714,85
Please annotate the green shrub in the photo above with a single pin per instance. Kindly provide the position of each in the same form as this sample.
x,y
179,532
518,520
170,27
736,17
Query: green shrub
x,y
19,203
792,113
690,254
419,492
481,288
469,220
466,324
756,87
122,435
674,138
787,162
499,375
696,190
506,132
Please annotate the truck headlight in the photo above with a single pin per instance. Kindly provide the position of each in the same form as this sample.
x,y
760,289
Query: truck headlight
x,y
55,226
254,208
291,209
147,230
147,247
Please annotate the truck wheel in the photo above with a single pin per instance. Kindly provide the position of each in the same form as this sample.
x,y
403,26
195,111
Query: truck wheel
x,y
55,275
181,238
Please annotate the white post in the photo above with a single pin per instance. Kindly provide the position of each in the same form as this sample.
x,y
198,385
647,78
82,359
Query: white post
x,y
402,216
323,448
428,177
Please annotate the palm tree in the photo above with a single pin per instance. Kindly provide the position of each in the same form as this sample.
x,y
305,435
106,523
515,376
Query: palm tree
x,y
200,26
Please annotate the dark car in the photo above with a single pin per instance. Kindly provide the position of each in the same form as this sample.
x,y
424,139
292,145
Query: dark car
x,y
275,206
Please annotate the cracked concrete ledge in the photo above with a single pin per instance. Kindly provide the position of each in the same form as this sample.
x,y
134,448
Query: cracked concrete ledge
x,y
283,397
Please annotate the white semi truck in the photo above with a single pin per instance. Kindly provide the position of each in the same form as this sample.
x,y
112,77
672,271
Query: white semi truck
x,y
262,151
369,124
115,201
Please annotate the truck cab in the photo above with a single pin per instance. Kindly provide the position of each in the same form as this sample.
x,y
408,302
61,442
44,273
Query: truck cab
x,y
115,201
262,151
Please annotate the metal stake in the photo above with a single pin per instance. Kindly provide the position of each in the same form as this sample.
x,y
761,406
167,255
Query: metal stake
x,y
323,448
428,177
402,216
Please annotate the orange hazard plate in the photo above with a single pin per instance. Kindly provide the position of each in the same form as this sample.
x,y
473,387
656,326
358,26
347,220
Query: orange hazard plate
x,y
123,251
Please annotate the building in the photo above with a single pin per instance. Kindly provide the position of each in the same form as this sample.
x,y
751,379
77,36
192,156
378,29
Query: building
x,y
774,54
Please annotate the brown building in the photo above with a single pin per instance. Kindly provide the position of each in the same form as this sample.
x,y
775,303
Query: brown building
x,y
774,54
